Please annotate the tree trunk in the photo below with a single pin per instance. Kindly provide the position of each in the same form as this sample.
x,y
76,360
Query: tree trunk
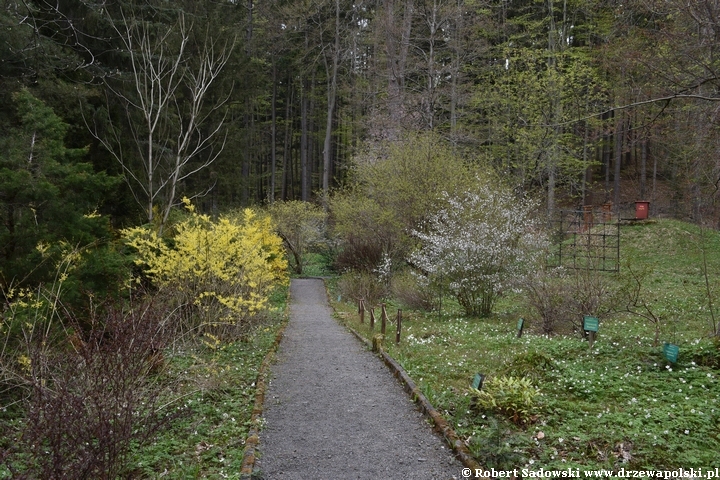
x,y
553,150
249,30
619,125
331,96
397,44
607,157
245,172
314,160
643,166
653,199
587,171
287,148
247,118
304,145
273,135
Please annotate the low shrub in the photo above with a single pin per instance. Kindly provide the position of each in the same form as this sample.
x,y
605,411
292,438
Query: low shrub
x,y
498,446
413,291
550,298
92,401
361,285
360,254
533,365
560,297
514,397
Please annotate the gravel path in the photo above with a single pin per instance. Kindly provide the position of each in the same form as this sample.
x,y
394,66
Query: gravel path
x,y
333,410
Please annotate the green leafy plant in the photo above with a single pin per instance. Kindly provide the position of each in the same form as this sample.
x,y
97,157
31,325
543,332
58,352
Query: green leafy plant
x,y
534,365
499,447
393,191
513,397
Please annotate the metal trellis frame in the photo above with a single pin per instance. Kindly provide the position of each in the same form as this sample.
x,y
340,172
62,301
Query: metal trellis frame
x,y
586,239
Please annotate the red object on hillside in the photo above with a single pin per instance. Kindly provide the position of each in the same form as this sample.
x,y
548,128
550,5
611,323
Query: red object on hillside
x,y
642,208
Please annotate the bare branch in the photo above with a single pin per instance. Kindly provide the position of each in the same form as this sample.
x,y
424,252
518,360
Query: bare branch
x,y
667,99
167,128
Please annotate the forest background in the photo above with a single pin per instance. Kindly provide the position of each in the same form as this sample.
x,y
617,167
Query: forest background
x,y
239,103
375,113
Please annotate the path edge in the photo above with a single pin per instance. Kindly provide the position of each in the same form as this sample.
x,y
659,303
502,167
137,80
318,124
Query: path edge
x,y
441,425
253,436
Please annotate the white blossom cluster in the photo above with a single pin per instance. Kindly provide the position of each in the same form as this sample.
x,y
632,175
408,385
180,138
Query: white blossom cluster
x,y
480,244
384,269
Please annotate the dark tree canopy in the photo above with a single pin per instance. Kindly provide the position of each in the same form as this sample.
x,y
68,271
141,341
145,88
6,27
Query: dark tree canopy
x,y
578,101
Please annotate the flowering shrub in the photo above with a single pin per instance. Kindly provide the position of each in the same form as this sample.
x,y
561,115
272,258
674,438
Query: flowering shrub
x,y
392,189
481,243
227,268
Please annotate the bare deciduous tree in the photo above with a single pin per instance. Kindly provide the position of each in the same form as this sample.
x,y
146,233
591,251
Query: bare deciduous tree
x,y
165,97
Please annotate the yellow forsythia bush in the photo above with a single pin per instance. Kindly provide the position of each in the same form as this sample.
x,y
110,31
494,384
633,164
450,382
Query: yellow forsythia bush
x,y
227,268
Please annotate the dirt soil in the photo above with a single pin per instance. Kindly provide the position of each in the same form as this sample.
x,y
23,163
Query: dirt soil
x,y
334,411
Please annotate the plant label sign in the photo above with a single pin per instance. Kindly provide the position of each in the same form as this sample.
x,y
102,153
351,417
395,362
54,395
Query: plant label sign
x,y
671,352
591,324
478,381
520,325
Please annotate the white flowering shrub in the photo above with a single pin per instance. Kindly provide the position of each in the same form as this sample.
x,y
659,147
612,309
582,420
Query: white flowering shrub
x,y
479,245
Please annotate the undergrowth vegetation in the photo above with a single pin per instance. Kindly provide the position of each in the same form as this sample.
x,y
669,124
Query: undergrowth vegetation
x,y
158,380
550,400
213,394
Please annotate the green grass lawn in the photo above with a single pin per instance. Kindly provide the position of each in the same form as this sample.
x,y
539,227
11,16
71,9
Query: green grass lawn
x,y
619,404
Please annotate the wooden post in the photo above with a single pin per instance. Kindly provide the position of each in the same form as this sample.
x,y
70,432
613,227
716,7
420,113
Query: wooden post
x,y
587,217
383,319
362,311
399,326
377,342
591,338
372,319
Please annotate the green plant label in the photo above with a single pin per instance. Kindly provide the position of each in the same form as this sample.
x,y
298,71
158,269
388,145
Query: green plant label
x,y
671,352
520,325
591,324
478,381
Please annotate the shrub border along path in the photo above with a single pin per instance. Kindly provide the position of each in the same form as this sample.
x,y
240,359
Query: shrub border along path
x,y
253,437
442,427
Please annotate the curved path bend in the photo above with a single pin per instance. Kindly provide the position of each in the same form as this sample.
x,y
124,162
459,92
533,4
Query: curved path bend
x,y
333,410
